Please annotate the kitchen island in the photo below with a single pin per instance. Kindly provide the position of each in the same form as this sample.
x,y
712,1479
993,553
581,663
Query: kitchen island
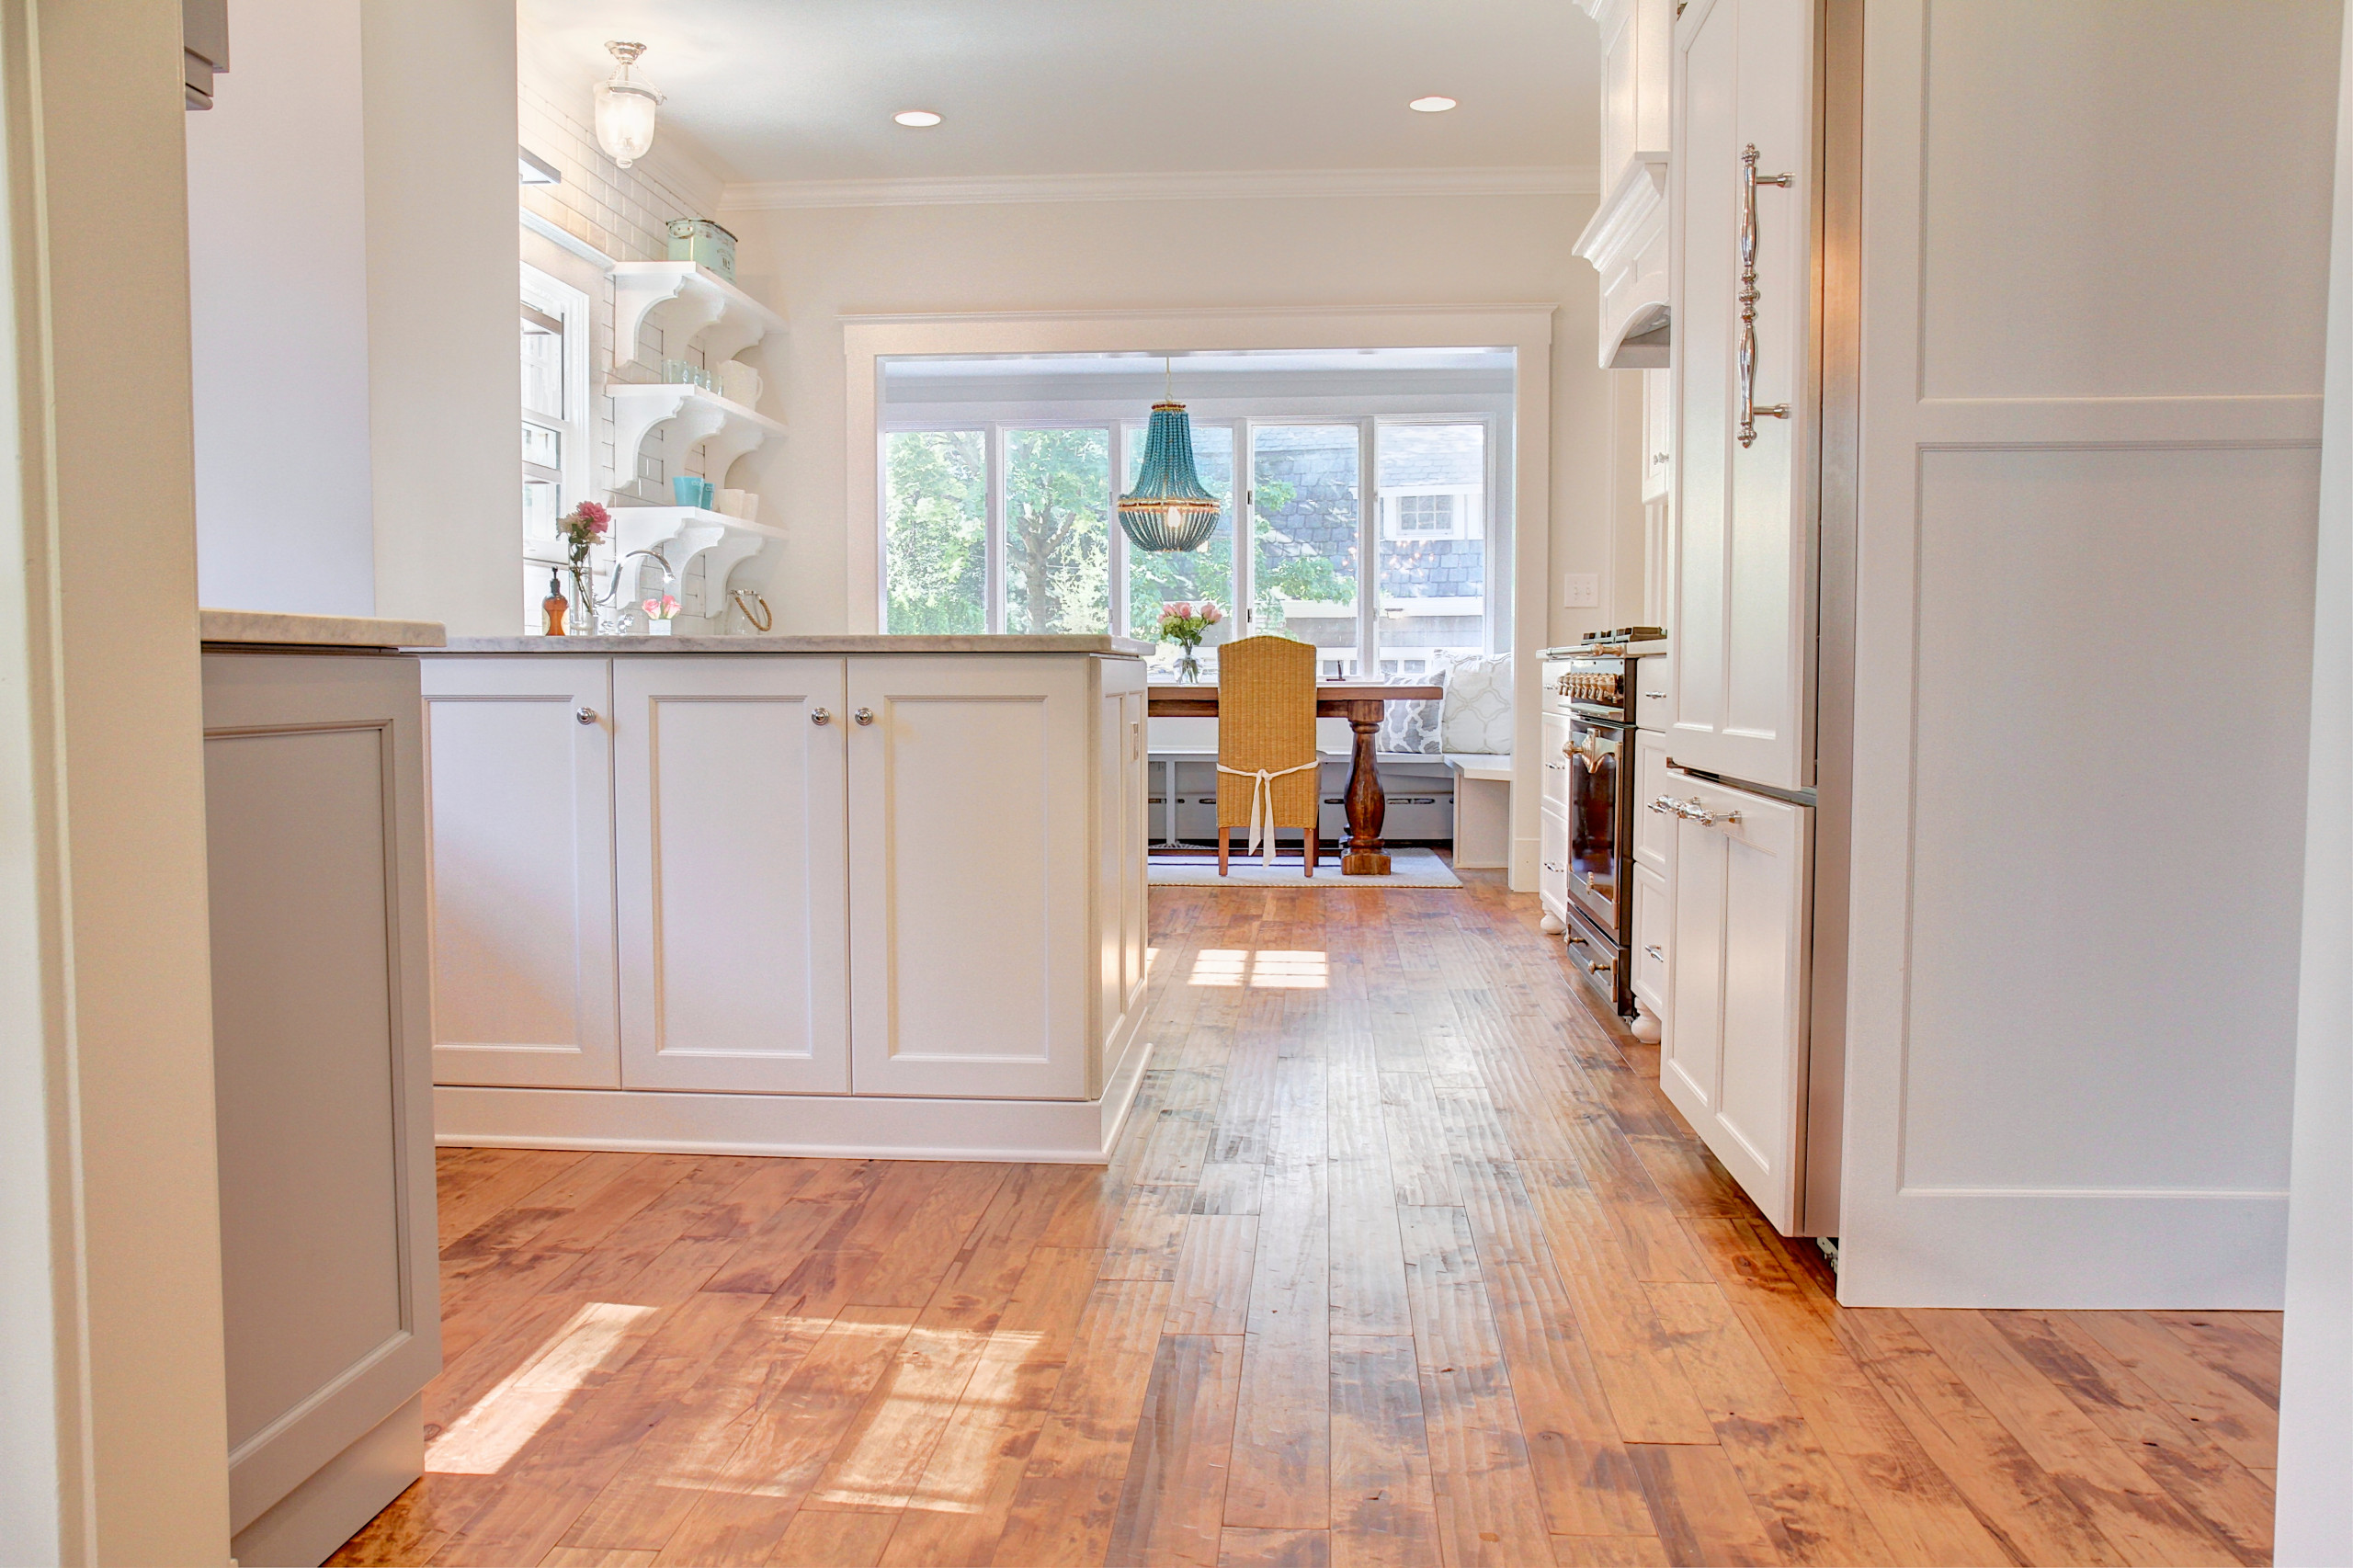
x,y
856,895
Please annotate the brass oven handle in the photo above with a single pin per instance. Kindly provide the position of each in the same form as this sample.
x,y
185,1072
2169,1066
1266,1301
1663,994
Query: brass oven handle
x,y
1746,353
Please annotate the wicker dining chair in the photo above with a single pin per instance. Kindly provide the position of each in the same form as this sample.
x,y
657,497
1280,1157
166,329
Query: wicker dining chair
x,y
1269,771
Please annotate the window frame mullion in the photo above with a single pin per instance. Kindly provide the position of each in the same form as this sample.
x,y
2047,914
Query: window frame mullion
x,y
992,533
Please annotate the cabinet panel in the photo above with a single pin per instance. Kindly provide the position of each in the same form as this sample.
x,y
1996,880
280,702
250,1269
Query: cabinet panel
x,y
1555,727
969,832
732,872
1653,938
1658,432
1734,1057
1653,829
520,792
1552,860
315,819
1741,601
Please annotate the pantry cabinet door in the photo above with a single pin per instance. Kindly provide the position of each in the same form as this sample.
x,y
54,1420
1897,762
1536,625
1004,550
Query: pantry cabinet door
x,y
971,815
519,790
1735,1054
733,875
1741,595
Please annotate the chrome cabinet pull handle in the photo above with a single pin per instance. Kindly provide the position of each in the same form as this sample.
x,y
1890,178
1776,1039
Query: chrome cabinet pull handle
x,y
1651,949
1549,867
863,715
1746,354
585,715
819,716
1665,805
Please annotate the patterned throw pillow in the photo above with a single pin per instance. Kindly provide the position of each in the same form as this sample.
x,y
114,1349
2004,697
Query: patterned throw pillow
x,y
1478,716
1409,727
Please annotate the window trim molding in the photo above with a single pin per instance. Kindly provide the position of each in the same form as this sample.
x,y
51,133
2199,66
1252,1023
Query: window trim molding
x,y
1526,328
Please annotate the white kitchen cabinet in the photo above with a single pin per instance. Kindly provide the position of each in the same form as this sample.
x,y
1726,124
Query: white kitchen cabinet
x,y
1654,939
1553,819
1658,433
1122,808
731,859
1741,601
969,814
1653,824
852,903
315,818
1734,1057
1626,240
518,765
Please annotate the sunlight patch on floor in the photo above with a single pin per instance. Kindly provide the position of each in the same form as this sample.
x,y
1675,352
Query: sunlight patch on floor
x,y
494,1429
939,1375
1273,968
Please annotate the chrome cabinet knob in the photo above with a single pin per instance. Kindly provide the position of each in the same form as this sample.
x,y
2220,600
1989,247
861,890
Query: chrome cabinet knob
x,y
585,715
819,716
863,715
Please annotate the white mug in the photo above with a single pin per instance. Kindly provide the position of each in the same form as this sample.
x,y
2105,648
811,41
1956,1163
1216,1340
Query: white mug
x,y
738,383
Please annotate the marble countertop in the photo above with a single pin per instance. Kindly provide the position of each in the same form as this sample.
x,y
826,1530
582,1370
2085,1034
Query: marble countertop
x,y
276,630
1645,650
1125,647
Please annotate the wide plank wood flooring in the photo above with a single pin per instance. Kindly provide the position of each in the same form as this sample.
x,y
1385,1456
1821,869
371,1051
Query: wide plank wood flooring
x,y
1402,1260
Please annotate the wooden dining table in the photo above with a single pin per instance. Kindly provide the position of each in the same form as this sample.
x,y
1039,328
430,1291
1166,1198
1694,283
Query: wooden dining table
x,y
1362,705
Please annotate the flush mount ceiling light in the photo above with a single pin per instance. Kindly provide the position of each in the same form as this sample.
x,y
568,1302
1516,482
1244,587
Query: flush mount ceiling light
x,y
1168,509
625,107
919,118
1433,105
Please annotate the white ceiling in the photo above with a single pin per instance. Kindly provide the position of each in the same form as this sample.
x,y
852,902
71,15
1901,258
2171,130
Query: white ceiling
x,y
804,89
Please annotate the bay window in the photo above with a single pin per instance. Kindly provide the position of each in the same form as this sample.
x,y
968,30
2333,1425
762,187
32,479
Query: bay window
x,y
1009,527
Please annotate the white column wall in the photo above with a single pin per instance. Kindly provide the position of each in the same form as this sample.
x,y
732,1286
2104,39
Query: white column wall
x,y
2315,1522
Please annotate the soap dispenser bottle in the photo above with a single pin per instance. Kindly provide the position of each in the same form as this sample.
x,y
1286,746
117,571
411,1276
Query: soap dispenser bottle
x,y
553,608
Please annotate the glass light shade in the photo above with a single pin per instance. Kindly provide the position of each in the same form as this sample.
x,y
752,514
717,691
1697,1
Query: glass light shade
x,y
625,113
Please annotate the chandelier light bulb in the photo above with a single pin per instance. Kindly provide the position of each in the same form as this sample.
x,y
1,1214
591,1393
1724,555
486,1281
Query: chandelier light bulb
x,y
626,108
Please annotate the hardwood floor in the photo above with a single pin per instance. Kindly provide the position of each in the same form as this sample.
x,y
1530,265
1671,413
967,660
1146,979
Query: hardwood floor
x,y
1402,1260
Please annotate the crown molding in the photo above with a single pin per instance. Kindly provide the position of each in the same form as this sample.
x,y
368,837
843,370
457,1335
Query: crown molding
x,y
1209,185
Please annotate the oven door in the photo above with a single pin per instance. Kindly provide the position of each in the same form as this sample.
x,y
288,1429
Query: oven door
x,y
1599,758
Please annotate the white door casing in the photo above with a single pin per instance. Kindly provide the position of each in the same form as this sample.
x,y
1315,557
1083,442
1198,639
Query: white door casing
x,y
1741,598
732,861
519,788
970,828
1733,1061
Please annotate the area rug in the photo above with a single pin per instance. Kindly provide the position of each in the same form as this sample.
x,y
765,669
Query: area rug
x,y
1408,869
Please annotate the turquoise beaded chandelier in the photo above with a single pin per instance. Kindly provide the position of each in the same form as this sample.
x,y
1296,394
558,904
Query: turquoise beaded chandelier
x,y
1168,509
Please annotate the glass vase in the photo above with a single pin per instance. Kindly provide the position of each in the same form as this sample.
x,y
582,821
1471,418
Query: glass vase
x,y
582,622
1188,668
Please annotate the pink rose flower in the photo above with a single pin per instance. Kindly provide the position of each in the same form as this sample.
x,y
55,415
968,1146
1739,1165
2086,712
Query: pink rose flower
x,y
1181,609
1211,613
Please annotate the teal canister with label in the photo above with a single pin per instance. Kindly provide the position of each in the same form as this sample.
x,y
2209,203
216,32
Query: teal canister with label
x,y
705,244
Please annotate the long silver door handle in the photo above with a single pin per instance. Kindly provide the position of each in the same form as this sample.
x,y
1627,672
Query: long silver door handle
x,y
1746,354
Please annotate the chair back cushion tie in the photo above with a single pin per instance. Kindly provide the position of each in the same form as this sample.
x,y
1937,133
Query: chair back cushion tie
x,y
1262,799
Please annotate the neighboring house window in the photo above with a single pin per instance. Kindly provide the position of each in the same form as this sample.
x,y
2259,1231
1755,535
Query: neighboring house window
x,y
555,424
1008,527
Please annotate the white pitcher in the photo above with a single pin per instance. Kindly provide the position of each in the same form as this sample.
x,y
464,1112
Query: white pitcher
x,y
738,383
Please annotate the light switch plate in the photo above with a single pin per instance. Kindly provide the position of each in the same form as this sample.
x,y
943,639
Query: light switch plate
x,y
1580,590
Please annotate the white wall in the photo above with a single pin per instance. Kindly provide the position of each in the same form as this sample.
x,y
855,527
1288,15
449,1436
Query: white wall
x,y
818,264
278,280
2315,1522
2089,468
445,380
111,1350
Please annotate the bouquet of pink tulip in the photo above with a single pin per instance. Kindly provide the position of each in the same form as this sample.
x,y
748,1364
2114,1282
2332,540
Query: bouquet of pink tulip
x,y
1183,623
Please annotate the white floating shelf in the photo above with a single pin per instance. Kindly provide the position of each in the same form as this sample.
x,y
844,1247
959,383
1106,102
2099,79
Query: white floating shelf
x,y
725,430
683,533
688,301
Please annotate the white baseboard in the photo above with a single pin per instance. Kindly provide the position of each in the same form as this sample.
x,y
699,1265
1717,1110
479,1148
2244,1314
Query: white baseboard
x,y
2066,1250
839,1127
311,1522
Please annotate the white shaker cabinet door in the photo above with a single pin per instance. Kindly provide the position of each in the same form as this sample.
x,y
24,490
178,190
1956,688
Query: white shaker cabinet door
x,y
1741,597
1735,1054
732,869
972,809
518,767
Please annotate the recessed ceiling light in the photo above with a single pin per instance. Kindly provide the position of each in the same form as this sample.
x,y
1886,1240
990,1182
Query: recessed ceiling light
x,y
916,116
1431,104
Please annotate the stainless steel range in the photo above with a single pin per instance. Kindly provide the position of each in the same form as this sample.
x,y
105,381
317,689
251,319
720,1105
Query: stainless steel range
x,y
1590,703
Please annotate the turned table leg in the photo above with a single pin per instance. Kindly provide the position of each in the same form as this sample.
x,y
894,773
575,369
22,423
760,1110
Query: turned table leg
x,y
1363,856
